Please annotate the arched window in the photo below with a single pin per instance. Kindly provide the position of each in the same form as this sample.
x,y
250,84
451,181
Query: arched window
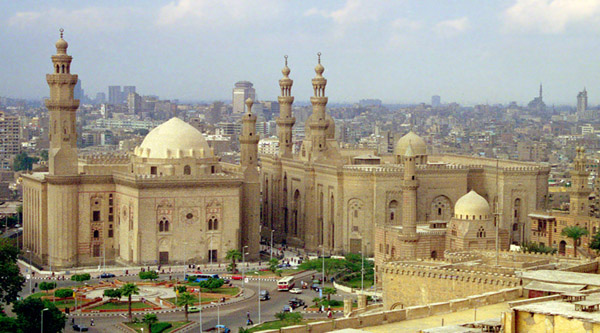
x,y
187,170
161,226
216,224
392,207
210,224
57,69
96,234
166,226
481,232
63,68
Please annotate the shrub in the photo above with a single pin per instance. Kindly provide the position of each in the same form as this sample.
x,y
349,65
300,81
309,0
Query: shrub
x,y
160,327
212,284
112,293
537,248
289,317
149,275
63,293
81,277
45,286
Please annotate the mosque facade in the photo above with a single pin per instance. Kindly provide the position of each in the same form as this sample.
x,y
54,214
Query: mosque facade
x,y
171,201
401,205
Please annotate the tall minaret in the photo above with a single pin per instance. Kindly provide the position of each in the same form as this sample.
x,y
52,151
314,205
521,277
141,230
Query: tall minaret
x,y
580,191
251,185
409,205
318,124
540,90
62,107
285,121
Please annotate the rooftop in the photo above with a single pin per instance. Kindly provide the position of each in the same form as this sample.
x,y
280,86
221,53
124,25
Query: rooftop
x,y
563,277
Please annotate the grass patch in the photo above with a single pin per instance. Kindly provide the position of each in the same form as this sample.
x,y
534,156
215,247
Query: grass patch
x,y
39,294
174,325
204,299
223,290
355,282
121,306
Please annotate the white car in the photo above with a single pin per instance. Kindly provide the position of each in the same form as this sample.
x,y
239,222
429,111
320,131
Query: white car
x,y
295,291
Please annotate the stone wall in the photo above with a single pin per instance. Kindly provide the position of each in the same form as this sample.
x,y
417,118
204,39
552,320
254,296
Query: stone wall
x,y
437,284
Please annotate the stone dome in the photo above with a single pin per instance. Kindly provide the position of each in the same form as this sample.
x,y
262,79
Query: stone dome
x,y
416,142
174,139
472,206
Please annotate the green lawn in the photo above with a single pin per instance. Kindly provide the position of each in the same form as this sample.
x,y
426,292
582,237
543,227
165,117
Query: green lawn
x,y
138,327
204,299
121,306
223,290
273,325
39,294
355,282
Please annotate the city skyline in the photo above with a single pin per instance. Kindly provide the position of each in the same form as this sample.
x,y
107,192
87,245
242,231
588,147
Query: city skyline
x,y
403,52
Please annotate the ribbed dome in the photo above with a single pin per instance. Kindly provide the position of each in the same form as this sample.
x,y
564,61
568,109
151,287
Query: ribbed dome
x,y
416,142
174,139
472,206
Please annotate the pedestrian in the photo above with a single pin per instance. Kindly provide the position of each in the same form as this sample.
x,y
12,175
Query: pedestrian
x,y
92,322
329,314
248,315
73,321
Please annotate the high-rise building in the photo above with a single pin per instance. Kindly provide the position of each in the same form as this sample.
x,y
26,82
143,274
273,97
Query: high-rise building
x,y
100,98
241,92
582,101
134,103
436,101
114,95
126,91
9,139
78,91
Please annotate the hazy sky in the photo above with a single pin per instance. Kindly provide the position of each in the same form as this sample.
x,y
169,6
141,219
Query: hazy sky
x,y
399,51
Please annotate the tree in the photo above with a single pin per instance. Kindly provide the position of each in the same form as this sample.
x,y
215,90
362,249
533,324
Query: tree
x,y
113,293
595,242
233,255
181,289
8,324
574,232
81,277
186,299
212,284
23,162
316,300
28,313
329,291
273,263
148,275
11,280
127,290
45,286
63,293
150,319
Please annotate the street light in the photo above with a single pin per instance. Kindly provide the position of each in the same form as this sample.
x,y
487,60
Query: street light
x,y
258,296
244,253
218,317
43,319
30,270
271,257
323,273
200,306
184,260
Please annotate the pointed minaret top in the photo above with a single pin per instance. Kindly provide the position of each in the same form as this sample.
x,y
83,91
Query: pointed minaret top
x,y
61,44
286,70
319,69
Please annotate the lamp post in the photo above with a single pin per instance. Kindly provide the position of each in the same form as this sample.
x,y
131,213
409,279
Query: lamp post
x,y
42,329
362,271
200,306
244,264
271,256
184,260
30,270
218,316
258,297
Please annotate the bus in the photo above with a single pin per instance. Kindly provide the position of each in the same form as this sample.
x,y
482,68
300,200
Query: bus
x,y
202,277
286,283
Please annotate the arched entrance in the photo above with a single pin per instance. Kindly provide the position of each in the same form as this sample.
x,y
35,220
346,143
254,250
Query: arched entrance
x,y
433,254
562,248
163,251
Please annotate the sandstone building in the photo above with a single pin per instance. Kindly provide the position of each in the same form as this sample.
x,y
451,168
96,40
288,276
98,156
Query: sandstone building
x,y
393,206
172,200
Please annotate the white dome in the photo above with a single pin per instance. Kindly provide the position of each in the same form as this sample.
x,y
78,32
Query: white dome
x,y
472,206
174,139
417,143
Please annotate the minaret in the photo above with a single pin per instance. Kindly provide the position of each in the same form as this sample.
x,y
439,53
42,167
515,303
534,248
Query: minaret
x,y
62,106
318,124
580,191
251,186
540,90
285,121
409,194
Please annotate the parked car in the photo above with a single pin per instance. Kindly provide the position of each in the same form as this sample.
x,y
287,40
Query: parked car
x,y
236,277
106,276
264,295
315,286
295,291
193,309
17,225
286,308
80,328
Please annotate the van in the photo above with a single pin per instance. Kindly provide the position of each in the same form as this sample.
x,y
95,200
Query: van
x,y
264,295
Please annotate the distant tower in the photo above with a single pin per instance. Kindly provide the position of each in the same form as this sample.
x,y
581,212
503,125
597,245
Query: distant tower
x,y
540,90
436,101
409,204
285,121
579,191
251,188
62,107
241,92
582,101
318,124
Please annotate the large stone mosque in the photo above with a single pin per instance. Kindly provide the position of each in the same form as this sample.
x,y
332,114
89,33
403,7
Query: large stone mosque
x,y
171,201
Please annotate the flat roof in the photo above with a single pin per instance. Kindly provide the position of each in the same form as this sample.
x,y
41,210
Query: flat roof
x,y
542,216
555,287
559,308
562,277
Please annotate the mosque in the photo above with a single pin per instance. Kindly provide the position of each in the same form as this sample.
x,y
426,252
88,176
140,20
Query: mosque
x,y
408,204
171,201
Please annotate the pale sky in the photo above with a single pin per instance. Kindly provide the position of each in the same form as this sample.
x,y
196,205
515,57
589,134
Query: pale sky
x,y
468,51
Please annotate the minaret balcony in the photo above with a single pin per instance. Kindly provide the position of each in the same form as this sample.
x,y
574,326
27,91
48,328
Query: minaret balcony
x,y
67,105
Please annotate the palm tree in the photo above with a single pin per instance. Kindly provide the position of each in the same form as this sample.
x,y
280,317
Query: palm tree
x,y
127,290
575,232
233,255
329,291
149,319
186,299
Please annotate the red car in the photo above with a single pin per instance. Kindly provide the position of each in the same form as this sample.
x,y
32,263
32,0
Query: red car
x,y
236,277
